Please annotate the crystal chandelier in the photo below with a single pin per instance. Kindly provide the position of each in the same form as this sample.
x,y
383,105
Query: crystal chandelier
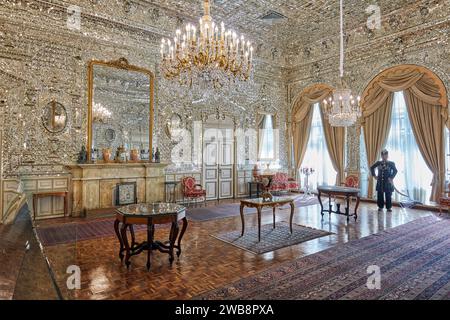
x,y
342,109
100,114
207,56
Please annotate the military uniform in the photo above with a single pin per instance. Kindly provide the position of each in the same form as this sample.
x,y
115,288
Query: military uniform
x,y
386,171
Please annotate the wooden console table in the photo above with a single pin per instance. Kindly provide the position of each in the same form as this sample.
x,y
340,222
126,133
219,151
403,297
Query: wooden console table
x,y
260,203
339,191
44,194
149,214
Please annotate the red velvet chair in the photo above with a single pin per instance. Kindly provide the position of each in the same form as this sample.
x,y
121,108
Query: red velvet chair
x,y
282,182
192,191
293,184
444,201
351,181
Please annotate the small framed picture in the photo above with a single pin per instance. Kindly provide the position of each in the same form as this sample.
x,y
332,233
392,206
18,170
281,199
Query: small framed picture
x,y
126,193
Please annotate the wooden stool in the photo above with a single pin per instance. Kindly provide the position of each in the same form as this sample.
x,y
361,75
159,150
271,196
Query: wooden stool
x,y
44,194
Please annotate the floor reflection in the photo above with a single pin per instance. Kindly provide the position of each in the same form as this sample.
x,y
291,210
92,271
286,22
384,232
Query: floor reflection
x,y
206,263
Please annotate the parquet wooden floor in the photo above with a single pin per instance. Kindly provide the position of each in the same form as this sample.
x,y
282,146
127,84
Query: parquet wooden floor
x,y
206,263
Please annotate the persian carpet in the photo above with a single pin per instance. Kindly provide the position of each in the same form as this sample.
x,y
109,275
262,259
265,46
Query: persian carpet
x,y
271,239
413,260
79,231
232,209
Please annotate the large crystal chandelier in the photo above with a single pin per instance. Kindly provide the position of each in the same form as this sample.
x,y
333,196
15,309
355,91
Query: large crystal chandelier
x,y
206,56
342,109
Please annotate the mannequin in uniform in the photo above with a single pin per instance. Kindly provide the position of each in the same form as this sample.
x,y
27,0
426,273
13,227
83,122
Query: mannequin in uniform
x,y
385,176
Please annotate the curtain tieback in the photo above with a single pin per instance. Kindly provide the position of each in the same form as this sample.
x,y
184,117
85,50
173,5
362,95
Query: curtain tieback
x,y
435,179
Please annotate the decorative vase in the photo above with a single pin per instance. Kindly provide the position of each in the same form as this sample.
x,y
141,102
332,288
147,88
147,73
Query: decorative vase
x,y
121,154
82,155
134,155
106,154
256,172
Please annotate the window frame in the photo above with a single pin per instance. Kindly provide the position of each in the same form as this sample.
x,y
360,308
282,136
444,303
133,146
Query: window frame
x,y
259,118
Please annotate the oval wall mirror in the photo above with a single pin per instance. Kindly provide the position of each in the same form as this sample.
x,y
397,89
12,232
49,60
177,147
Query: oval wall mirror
x,y
110,135
54,117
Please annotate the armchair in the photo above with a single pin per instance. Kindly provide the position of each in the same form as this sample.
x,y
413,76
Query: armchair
x,y
279,182
444,201
192,191
293,184
282,182
351,181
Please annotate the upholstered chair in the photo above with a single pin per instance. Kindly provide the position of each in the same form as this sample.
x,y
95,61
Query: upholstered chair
x,y
444,201
279,182
192,191
282,182
351,181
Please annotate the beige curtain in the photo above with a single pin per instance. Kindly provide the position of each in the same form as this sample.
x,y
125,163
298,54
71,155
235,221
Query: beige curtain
x,y
302,117
301,136
376,130
335,139
428,127
427,112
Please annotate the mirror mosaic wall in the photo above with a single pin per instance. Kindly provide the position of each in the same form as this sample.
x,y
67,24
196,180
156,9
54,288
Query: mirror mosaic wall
x,y
51,57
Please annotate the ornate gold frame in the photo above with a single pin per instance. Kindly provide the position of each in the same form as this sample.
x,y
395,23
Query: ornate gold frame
x,y
123,64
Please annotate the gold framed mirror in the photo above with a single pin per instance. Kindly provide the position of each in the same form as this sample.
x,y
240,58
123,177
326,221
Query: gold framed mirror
x,y
120,100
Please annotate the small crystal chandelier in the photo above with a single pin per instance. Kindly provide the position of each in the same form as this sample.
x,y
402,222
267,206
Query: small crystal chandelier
x,y
208,56
342,109
100,114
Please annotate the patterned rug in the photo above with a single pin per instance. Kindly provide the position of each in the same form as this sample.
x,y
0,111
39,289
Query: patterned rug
x,y
232,209
413,260
271,239
79,231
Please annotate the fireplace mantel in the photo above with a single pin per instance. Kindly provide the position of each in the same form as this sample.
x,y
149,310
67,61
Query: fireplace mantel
x,y
93,185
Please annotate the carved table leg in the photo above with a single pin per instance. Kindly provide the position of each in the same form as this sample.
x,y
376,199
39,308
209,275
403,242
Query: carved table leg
x,y
274,217
123,232
356,207
347,208
242,218
320,202
183,230
133,237
259,223
172,239
330,207
150,233
116,229
292,214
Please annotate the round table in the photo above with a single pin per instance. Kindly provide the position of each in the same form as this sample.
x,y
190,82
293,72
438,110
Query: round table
x,y
149,214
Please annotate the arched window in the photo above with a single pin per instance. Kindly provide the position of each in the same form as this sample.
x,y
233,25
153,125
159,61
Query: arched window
x,y
317,156
405,110
267,139
413,177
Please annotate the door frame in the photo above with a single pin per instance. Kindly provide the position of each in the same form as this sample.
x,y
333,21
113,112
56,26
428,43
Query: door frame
x,y
218,124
